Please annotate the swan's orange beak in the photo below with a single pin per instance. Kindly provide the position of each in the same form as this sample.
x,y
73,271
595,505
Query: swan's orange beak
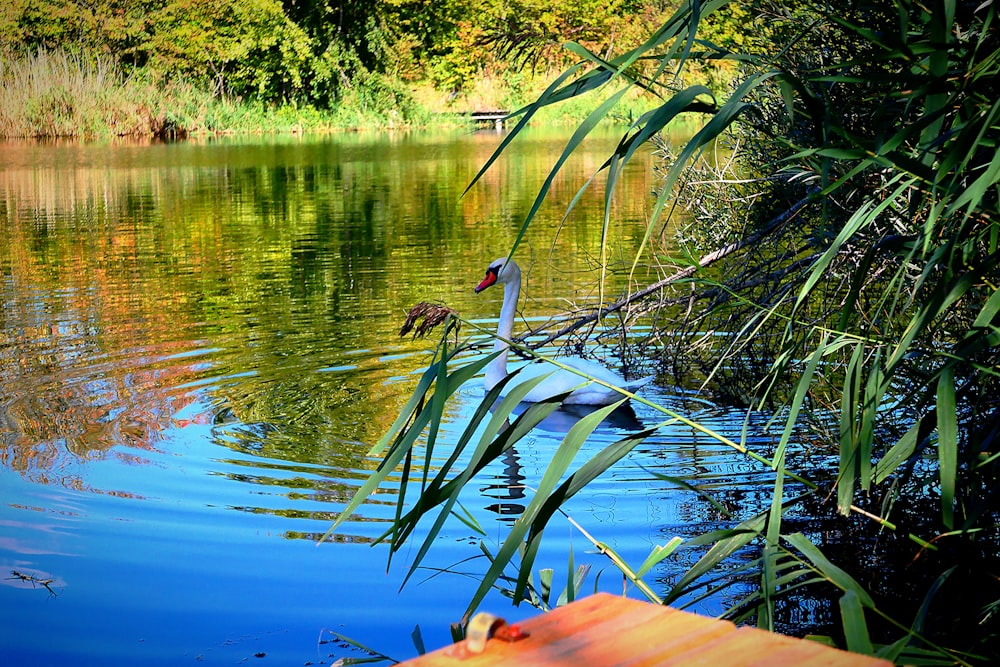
x,y
491,277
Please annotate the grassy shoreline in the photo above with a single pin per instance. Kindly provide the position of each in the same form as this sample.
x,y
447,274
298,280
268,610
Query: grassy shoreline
x,y
60,94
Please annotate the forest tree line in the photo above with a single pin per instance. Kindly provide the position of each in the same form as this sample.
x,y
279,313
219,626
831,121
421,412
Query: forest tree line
x,y
328,52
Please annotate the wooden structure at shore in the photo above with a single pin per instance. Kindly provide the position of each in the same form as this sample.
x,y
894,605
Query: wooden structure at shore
x,y
610,631
493,116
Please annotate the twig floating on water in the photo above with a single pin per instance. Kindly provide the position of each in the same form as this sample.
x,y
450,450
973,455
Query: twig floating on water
x,y
32,579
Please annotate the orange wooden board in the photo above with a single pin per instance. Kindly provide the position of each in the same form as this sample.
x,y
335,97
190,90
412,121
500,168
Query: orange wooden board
x,y
605,630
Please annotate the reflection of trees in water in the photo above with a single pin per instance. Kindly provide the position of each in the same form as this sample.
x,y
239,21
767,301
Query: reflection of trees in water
x,y
75,384
148,288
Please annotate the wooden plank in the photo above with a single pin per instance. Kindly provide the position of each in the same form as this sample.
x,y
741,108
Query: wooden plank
x,y
605,630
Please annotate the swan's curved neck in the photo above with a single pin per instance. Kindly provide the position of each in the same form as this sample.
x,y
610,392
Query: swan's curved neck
x,y
497,370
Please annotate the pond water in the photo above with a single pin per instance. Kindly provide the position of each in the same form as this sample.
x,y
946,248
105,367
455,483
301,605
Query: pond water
x,y
198,345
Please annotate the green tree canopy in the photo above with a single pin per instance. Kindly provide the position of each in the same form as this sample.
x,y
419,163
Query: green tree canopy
x,y
317,51
240,46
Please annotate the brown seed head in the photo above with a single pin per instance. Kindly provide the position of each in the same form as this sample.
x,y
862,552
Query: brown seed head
x,y
429,314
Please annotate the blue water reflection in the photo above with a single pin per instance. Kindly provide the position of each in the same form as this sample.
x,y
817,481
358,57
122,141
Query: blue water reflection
x,y
198,347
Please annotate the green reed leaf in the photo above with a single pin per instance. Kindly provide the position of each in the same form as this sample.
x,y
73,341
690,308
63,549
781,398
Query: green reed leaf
x,y
831,572
801,389
852,618
574,582
545,583
581,132
402,437
947,420
727,542
848,428
769,561
659,552
553,93
418,640
561,460
489,448
921,617
722,118
897,454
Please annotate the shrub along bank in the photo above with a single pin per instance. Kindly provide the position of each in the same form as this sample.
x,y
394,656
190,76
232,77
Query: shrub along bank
x,y
119,67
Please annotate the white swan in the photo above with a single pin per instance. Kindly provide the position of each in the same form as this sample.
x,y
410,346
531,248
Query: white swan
x,y
508,273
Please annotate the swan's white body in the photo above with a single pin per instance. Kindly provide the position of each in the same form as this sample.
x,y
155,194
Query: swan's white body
x,y
560,380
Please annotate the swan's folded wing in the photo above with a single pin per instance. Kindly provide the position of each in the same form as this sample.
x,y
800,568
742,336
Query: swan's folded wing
x,y
560,381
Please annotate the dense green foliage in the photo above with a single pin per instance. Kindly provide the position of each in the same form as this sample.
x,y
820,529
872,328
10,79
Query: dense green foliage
x,y
351,61
61,94
881,122
849,249
240,47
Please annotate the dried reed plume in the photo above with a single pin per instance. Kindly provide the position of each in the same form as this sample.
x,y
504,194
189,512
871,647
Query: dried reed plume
x,y
432,315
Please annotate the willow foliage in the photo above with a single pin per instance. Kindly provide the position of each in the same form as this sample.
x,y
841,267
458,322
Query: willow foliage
x,y
854,259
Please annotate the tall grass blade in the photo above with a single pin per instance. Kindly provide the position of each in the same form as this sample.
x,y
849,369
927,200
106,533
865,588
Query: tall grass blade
x,y
769,585
570,592
864,216
947,419
922,614
411,408
727,542
431,493
831,572
403,438
848,429
852,617
574,585
659,552
875,387
898,454
557,466
801,389
418,640
553,93
581,132
545,583
493,442
723,117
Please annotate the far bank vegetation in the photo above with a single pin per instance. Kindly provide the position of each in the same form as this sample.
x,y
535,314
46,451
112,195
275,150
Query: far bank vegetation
x,y
170,67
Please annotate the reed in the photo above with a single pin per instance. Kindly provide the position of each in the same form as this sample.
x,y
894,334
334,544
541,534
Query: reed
x,y
64,94
863,270
61,93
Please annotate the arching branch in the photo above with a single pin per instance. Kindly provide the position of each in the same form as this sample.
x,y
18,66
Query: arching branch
x,y
705,260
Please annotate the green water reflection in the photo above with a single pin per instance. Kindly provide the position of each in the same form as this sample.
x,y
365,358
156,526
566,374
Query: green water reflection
x,y
270,275
198,346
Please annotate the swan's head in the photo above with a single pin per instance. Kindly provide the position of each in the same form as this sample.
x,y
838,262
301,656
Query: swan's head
x,y
500,270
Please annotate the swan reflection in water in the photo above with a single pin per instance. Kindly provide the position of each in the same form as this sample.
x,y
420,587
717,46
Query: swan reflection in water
x,y
507,488
565,417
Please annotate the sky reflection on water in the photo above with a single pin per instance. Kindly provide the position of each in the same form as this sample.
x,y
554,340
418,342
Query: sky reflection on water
x,y
197,348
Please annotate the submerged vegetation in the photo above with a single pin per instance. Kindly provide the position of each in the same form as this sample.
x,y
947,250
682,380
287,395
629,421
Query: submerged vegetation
x,y
848,248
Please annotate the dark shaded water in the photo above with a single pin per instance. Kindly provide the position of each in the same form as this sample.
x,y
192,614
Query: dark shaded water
x,y
197,347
